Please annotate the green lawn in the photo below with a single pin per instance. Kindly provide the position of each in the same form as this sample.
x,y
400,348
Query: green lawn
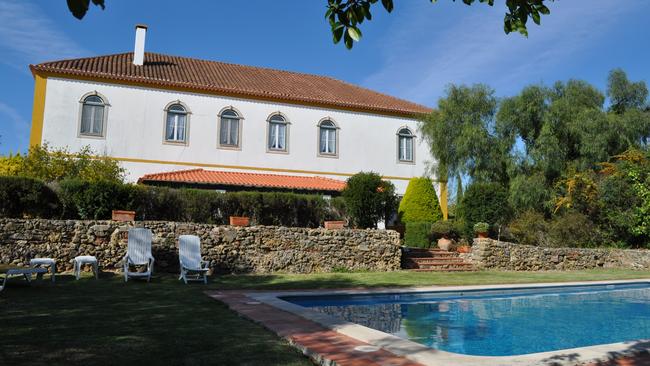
x,y
104,322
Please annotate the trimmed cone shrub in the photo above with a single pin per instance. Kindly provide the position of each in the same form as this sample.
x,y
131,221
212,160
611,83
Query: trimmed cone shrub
x,y
418,234
420,202
26,197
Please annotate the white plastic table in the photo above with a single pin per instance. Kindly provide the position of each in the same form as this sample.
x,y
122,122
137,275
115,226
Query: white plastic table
x,y
79,261
47,263
26,272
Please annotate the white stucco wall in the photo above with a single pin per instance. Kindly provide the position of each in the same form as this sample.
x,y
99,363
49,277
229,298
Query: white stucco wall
x,y
135,125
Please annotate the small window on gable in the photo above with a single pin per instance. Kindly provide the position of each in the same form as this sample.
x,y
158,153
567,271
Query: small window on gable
x,y
93,111
229,129
327,139
405,140
277,133
176,124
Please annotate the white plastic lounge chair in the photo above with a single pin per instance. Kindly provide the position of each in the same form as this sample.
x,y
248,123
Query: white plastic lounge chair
x,y
138,253
193,268
26,272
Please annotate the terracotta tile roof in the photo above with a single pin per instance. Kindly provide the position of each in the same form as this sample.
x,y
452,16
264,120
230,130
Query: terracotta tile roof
x,y
211,177
231,79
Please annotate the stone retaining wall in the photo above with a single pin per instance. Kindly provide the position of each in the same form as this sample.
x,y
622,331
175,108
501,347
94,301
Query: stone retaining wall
x,y
492,254
256,249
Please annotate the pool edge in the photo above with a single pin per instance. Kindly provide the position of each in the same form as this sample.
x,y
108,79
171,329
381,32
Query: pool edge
x,y
429,356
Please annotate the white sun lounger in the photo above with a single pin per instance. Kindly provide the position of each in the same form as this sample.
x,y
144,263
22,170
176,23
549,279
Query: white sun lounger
x,y
27,272
193,267
138,253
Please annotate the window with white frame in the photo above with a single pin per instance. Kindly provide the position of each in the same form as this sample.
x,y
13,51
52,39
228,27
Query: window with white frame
x,y
405,145
327,140
92,116
176,124
277,133
229,127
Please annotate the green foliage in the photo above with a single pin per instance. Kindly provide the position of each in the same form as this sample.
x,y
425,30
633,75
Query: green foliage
x,y
481,227
420,202
530,228
484,202
460,135
26,197
344,16
418,234
624,94
528,192
79,8
81,199
575,230
369,199
445,229
51,165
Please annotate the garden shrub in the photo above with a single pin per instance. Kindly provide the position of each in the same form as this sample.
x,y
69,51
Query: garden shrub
x,y
420,202
93,200
484,202
26,197
530,228
575,230
447,228
418,234
369,199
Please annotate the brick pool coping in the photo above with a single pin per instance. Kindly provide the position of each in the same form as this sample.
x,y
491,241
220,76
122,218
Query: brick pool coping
x,y
324,346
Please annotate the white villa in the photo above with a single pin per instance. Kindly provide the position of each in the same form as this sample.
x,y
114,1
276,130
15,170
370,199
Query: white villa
x,y
177,119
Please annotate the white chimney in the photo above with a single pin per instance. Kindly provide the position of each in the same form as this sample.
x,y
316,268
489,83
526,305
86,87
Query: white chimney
x,y
138,51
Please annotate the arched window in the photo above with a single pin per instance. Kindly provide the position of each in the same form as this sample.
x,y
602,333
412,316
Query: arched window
x,y
405,145
277,133
93,111
327,138
229,129
176,123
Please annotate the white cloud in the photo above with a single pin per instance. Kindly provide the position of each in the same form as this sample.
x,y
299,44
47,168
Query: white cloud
x,y
429,53
27,35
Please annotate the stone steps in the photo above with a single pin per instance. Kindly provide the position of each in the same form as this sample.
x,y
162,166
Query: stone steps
x,y
433,260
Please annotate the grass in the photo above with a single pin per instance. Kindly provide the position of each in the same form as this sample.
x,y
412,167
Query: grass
x,y
106,322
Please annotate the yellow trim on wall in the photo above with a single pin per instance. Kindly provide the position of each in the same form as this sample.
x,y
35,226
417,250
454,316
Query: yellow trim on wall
x,y
256,168
443,200
38,110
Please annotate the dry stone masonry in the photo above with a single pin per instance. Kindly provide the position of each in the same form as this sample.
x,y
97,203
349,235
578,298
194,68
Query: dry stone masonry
x,y
492,254
256,249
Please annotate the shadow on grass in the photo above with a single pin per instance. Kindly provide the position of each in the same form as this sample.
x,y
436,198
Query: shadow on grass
x,y
107,321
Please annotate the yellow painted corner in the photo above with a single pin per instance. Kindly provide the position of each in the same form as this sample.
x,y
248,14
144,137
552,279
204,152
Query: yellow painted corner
x,y
444,200
38,110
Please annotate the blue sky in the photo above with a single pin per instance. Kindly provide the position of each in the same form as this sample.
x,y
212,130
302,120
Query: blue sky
x,y
412,53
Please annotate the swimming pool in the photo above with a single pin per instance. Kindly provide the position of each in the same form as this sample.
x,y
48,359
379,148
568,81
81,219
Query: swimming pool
x,y
499,322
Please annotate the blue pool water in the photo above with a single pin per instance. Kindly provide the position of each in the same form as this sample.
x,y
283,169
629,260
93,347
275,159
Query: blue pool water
x,y
500,322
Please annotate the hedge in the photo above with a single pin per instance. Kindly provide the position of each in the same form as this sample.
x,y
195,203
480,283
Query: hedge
x,y
418,234
95,200
26,197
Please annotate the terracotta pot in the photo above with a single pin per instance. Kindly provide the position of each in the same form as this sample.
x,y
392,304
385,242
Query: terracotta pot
x,y
334,225
463,249
445,244
239,221
482,235
120,215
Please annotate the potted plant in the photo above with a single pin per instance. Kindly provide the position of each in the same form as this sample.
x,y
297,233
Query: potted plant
x,y
122,215
445,232
334,225
463,247
239,221
481,229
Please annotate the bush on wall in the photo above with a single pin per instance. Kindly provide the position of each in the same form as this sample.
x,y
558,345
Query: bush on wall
x,y
26,197
484,202
369,199
418,234
420,202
